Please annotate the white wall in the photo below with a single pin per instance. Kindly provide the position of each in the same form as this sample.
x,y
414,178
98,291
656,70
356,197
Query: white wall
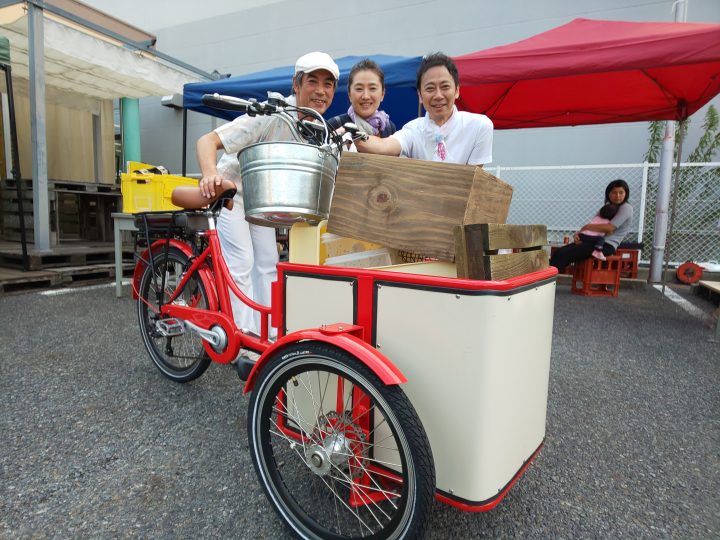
x,y
240,36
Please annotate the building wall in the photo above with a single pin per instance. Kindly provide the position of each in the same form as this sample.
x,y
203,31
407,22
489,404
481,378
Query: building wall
x,y
71,153
230,38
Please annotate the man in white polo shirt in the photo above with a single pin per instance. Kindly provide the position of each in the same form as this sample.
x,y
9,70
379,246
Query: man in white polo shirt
x,y
444,133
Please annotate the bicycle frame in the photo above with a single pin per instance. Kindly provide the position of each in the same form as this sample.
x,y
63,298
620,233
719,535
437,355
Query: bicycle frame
x,y
217,278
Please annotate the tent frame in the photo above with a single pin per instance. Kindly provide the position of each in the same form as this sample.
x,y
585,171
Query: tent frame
x,y
36,52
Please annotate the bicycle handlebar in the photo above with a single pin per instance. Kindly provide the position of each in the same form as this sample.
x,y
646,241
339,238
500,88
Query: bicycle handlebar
x,y
226,103
316,132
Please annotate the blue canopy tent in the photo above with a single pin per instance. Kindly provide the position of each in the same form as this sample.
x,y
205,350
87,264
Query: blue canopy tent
x,y
401,99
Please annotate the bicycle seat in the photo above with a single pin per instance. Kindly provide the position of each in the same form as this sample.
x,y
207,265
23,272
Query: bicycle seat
x,y
225,200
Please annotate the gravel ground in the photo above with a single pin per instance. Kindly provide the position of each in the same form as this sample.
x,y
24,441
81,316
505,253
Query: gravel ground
x,y
95,443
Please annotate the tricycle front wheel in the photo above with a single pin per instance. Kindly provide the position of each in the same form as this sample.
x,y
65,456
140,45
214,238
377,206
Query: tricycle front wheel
x,y
338,453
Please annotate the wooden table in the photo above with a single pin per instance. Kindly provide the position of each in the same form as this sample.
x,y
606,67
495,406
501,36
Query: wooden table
x,y
711,289
121,222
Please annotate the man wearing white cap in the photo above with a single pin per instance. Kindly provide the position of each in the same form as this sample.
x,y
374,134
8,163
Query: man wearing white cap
x,y
250,250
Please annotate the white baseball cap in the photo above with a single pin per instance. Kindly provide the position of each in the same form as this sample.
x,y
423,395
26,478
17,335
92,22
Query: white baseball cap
x,y
317,60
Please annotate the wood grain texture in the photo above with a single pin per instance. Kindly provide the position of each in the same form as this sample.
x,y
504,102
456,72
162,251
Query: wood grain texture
x,y
409,204
515,264
503,236
477,245
489,199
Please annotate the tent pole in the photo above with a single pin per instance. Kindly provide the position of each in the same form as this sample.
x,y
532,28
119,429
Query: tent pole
x,y
15,158
662,203
38,136
184,142
675,189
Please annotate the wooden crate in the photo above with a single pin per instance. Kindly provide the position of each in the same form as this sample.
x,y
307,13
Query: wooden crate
x,y
413,205
498,251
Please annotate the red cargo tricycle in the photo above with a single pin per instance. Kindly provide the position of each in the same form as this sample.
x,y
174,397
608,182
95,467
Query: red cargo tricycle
x,y
385,388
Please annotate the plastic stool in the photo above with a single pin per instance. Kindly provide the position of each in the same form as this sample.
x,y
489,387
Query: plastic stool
x,y
593,277
629,263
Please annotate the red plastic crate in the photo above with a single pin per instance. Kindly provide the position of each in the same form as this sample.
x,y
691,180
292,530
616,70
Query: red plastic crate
x,y
593,277
629,262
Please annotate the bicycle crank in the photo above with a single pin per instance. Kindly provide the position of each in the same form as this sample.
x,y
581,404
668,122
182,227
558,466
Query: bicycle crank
x,y
216,336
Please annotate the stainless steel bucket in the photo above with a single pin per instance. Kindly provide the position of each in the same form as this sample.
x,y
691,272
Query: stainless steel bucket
x,y
286,182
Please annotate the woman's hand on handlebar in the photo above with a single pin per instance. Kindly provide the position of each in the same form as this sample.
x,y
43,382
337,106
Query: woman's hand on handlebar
x,y
210,184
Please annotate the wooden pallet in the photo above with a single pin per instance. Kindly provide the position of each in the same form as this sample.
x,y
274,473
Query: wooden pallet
x,y
73,254
15,281
56,260
78,210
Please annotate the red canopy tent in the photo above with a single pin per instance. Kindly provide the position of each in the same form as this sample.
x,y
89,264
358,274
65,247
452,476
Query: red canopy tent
x,y
599,72
594,72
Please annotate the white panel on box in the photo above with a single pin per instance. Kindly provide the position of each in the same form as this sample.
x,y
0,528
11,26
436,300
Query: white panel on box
x,y
477,369
311,302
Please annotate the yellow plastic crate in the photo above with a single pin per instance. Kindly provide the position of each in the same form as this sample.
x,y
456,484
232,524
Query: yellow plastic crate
x,y
145,192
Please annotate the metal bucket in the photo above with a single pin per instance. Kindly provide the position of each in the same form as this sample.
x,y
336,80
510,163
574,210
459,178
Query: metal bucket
x,y
286,182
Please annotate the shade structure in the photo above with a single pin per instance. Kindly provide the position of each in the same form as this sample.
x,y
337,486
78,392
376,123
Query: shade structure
x,y
84,62
594,72
401,100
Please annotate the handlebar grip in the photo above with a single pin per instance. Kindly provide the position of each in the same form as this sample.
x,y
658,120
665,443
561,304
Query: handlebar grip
x,y
227,103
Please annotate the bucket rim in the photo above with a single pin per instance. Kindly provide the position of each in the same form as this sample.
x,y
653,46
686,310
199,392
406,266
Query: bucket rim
x,y
284,143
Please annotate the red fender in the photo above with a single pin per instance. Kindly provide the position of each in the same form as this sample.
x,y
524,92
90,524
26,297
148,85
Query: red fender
x,y
341,337
205,274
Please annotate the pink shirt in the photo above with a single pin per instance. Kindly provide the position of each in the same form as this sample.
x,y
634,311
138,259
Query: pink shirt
x,y
597,220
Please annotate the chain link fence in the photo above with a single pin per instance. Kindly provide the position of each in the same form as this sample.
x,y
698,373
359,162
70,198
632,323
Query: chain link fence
x,y
566,197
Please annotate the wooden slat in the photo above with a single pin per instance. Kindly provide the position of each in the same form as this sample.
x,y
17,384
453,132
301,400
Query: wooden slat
x,y
409,204
713,286
502,236
516,264
489,200
469,252
476,249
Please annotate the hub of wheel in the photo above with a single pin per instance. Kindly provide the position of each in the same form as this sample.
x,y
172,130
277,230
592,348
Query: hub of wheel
x,y
334,450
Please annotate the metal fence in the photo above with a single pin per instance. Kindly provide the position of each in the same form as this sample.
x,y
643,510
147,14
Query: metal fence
x,y
566,197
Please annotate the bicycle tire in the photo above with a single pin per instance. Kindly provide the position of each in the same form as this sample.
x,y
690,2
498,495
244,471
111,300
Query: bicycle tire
x,y
181,358
324,474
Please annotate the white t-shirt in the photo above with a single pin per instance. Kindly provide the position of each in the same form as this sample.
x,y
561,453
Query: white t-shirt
x,y
466,137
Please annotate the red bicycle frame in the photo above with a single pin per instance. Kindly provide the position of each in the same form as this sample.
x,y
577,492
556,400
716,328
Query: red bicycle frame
x,y
206,319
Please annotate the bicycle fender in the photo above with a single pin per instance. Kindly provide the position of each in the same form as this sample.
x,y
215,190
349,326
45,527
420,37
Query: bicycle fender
x,y
143,262
343,339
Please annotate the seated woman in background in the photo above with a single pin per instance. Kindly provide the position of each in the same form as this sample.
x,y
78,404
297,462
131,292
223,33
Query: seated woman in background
x,y
366,90
617,192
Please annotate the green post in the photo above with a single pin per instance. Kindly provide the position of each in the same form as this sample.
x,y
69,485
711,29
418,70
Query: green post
x,y
130,109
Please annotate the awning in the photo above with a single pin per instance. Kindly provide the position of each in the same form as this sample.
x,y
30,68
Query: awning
x,y
82,61
594,72
401,99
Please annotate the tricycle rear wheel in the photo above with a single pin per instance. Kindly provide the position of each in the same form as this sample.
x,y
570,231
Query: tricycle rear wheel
x,y
181,358
338,453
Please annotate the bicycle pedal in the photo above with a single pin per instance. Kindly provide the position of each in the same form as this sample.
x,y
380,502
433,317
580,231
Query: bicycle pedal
x,y
170,327
243,365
